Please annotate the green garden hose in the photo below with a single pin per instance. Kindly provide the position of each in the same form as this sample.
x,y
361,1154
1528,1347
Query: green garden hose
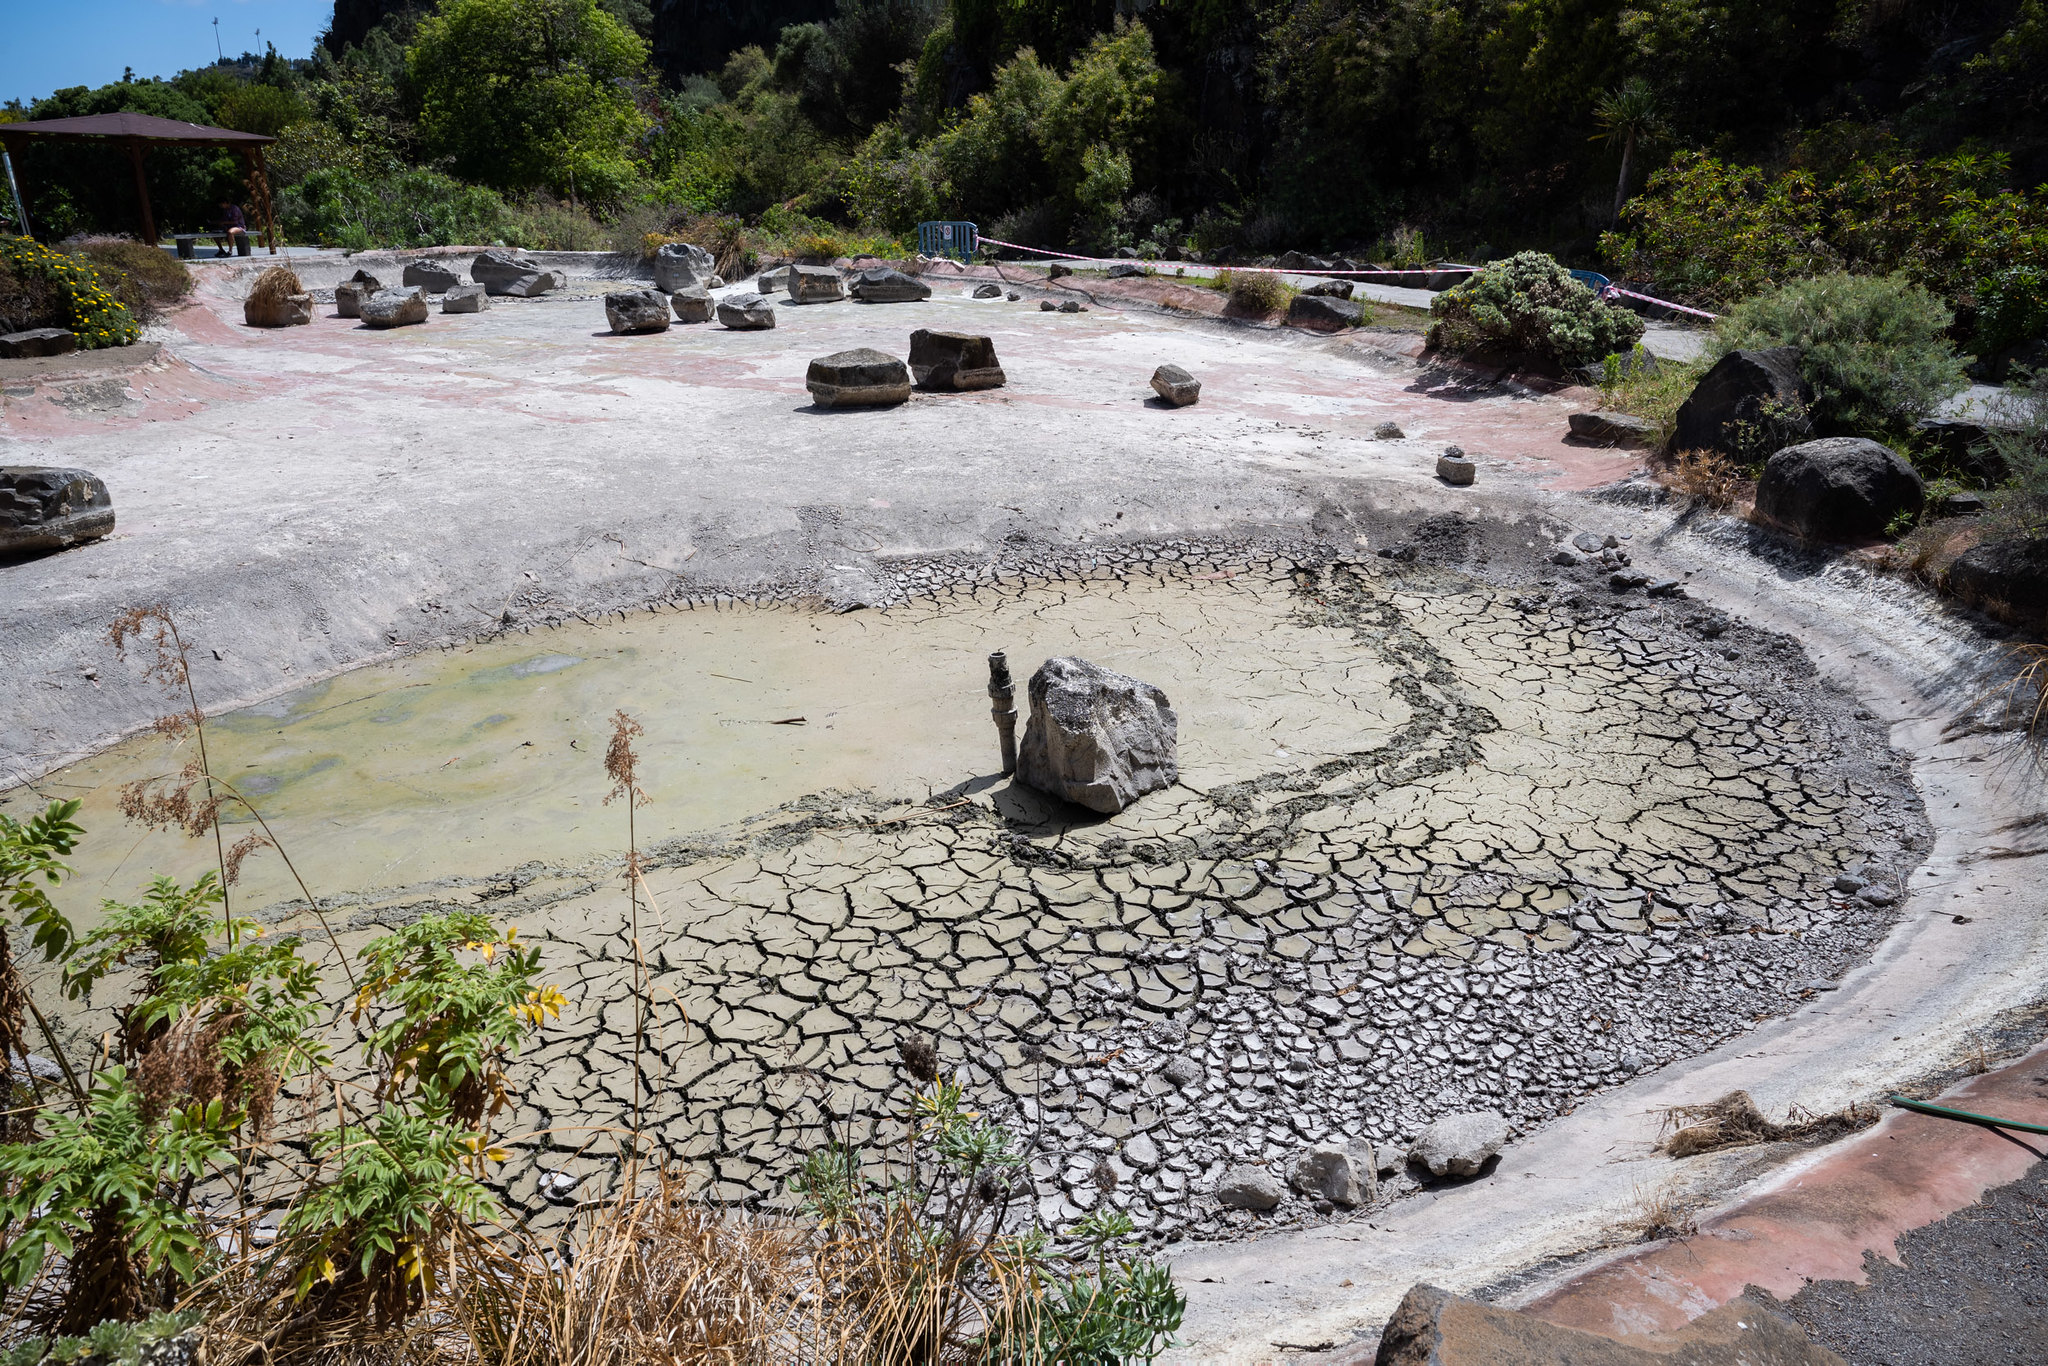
x,y
1967,1117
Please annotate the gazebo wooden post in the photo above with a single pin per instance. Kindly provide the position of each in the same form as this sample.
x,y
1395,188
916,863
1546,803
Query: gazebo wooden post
x,y
259,193
142,192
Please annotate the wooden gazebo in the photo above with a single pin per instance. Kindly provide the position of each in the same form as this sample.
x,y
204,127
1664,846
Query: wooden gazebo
x,y
137,133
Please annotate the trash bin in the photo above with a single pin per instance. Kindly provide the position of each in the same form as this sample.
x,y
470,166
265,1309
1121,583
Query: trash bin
x,y
185,245
243,247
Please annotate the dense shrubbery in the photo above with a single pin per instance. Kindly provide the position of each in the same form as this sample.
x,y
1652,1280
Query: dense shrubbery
x,y
1530,305
1255,292
1874,348
89,308
407,209
144,279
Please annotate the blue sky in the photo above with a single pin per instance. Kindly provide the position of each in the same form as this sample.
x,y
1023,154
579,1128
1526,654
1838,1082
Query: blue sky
x,y
48,44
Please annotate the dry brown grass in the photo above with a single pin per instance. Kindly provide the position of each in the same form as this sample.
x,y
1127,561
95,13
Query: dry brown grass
x,y
1660,1214
1255,293
1708,477
2026,696
276,285
1734,1121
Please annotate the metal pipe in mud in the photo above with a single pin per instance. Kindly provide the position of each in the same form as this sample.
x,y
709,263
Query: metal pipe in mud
x,y
1002,695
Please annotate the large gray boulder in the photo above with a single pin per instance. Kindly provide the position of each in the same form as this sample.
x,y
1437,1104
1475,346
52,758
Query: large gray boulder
x,y
815,285
1751,401
517,277
1321,313
38,341
1252,1188
884,285
1176,385
682,265
860,378
349,296
746,312
692,305
636,310
48,508
432,276
1096,737
2005,579
395,308
465,299
1459,1145
954,360
1328,1172
1840,488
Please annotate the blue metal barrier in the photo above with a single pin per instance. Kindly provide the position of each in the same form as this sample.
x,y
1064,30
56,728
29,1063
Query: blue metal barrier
x,y
1592,279
954,239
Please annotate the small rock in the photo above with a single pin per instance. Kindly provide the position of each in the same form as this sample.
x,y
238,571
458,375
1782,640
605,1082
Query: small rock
x,y
37,341
1124,270
637,310
989,292
860,378
1389,431
1876,896
1013,296
1456,469
1096,737
1665,588
1252,1188
559,1188
1073,306
953,360
691,305
465,299
431,276
1058,272
349,296
49,508
815,285
1624,580
746,312
1176,385
1566,556
1613,429
883,285
1331,289
1459,1145
1182,1071
1588,543
1047,306
395,308
502,273
1848,884
1327,1172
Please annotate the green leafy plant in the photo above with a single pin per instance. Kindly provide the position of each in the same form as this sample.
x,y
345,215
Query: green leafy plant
x,y
1530,305
2012,307
96,318
1874,348
32,854
1109,1310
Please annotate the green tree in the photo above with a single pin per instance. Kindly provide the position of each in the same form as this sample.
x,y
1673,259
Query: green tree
x,y
530,94
1628,114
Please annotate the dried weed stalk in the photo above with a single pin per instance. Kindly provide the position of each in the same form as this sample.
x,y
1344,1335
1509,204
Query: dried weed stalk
x,y
1708,477
622,766
1661,1214
1734,1121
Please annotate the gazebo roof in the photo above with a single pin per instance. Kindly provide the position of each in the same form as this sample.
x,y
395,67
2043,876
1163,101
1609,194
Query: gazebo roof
x,y
144,127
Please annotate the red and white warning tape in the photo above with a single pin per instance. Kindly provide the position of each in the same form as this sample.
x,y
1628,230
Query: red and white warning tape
x,y
1664,303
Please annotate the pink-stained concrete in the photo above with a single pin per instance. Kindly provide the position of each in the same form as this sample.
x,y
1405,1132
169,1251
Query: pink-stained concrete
x,y
1817,1219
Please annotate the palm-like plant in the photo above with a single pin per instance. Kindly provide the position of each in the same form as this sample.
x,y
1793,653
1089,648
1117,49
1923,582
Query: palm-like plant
x,y
1629,114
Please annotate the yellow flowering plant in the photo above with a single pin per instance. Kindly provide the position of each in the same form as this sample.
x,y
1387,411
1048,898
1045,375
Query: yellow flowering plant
x,y
97,318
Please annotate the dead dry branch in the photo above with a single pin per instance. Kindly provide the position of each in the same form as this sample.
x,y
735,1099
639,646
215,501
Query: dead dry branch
x,y
1734,1121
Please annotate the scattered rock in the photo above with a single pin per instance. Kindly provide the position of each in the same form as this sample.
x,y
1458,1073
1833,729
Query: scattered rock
x,y
1182,1071
1749,398
860,378
746,312
768,281
2005,579
1613,429
1459,1145
1124,270
1665,588
559,1188
882,285
1454,468
1389,431
1331,289
278,310
1961,505
349,296
953,360
1327,1172
691,305
1047,306
395,308
1624,580
1592,542
1322,313
1073,306
989,292
431,276
1294,260
37,341
1096,737
682,265
1176,385
502,273
1013,296
1564,555
465,299
815,285
1840,488
45,507
1252,1188
637,310
1058,272
1433,1327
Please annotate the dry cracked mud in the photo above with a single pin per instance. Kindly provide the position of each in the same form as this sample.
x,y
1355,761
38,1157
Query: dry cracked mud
x,y
1454,832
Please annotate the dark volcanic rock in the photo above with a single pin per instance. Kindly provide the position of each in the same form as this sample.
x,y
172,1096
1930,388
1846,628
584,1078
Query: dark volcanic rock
x,y
2007,580
1176,385
691,305
431,276
860,378
45,508
465,299
953,360
815,285
1840,488
501,272
746,312
637,310
1322,313
395,308
37,341
1749,401
882,285
1613,429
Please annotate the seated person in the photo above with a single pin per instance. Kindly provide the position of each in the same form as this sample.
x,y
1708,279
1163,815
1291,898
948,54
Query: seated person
x,y
229,227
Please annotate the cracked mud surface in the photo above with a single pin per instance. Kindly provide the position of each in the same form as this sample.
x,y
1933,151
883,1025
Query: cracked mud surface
x,y
1448,836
